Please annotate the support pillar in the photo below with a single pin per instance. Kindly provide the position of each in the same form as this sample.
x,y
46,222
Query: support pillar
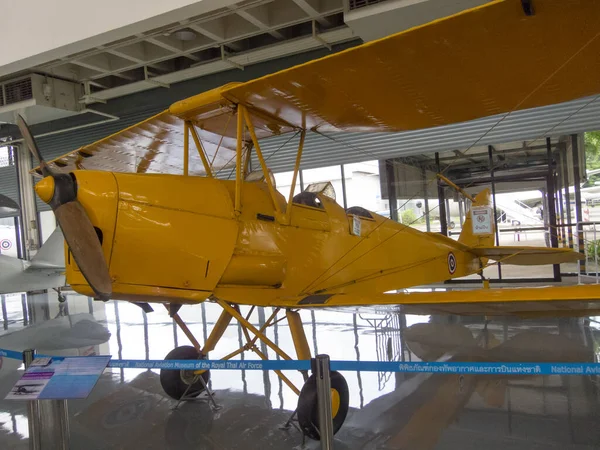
x,y
4,312
441,199
426,201
491,164
27,199
567,196
551,205
391,189
562,231
557,203
577,187
344,197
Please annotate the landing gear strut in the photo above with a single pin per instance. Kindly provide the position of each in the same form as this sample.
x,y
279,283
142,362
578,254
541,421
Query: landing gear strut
x,y
61,296
184,384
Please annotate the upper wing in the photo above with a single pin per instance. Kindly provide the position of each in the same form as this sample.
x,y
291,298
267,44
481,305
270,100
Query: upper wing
x,y
567,301
488,60
156,144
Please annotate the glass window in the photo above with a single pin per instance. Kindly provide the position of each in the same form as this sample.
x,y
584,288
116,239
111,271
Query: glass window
x,y
283,181
332,174
363,187
5,157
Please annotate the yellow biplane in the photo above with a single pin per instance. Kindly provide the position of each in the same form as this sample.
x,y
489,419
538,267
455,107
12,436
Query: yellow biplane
x,y
147,220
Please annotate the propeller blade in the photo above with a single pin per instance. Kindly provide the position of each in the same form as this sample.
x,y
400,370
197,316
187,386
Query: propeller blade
x,y
85,247
31,144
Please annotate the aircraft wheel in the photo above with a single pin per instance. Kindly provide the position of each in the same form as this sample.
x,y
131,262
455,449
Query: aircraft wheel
x,y
176,382
308,409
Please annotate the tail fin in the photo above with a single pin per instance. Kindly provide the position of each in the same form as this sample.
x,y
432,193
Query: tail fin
x,y
484,213
478,234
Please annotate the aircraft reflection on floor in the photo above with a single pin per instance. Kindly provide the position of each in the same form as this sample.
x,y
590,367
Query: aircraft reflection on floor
x,y
388,411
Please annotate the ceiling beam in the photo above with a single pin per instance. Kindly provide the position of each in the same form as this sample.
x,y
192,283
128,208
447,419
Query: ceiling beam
x,y
209,30
99,63
105,63
462,155
134,52
259,17
311,11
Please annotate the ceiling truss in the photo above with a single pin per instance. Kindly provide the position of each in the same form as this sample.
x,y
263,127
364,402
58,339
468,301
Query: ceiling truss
x,y
245,33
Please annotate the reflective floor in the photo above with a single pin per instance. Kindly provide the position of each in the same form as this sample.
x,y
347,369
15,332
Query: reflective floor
x,y
128,408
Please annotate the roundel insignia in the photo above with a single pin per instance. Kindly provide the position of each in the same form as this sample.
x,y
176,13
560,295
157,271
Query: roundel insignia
x,y
5,244
451,263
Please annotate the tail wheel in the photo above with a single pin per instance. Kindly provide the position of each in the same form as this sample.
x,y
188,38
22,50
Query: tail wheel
x,y
308,409
175,383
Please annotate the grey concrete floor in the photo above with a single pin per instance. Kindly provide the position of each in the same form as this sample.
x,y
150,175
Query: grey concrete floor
x,y
128,409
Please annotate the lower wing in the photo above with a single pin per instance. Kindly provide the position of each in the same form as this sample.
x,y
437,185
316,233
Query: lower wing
x,y
568,301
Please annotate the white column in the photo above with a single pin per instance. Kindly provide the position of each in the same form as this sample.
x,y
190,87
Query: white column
x,y
27,197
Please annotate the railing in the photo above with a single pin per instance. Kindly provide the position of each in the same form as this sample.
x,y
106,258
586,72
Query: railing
x,y
388,342
589,232
446,367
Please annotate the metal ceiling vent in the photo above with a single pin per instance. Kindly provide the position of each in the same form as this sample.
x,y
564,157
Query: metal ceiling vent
x,y
17,91
41,98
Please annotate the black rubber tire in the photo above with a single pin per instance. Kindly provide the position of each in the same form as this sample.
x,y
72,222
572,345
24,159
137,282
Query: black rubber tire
x,y
171,380
308,408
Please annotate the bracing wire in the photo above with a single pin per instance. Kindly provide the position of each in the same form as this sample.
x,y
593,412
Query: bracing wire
x,y
488,131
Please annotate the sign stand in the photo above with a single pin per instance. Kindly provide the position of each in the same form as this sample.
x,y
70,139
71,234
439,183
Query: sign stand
x,y
47,384
48,420
322,373
33,409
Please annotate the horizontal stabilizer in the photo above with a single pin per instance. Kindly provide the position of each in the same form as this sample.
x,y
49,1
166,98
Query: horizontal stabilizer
x,y
528,256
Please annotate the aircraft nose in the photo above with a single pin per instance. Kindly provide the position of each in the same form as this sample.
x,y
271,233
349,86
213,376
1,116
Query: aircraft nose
x,y
45,189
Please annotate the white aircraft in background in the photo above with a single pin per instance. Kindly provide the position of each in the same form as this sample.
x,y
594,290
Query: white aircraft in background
x,y
71,335
8,208
44,271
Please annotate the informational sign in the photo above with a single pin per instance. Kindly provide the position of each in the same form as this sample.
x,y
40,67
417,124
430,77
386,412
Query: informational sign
x,y
68,378
481,219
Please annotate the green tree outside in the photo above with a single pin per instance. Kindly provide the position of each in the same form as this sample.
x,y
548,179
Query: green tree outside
x,y
592,155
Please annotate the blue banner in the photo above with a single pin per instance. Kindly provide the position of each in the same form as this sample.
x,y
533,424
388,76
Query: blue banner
x,y
203,364
461,368
11,354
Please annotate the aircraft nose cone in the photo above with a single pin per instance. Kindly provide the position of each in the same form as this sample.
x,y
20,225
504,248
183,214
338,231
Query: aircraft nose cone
x,y
45,189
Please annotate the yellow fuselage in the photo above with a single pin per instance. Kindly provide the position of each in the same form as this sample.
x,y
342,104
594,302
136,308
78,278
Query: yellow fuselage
x,y
169,238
